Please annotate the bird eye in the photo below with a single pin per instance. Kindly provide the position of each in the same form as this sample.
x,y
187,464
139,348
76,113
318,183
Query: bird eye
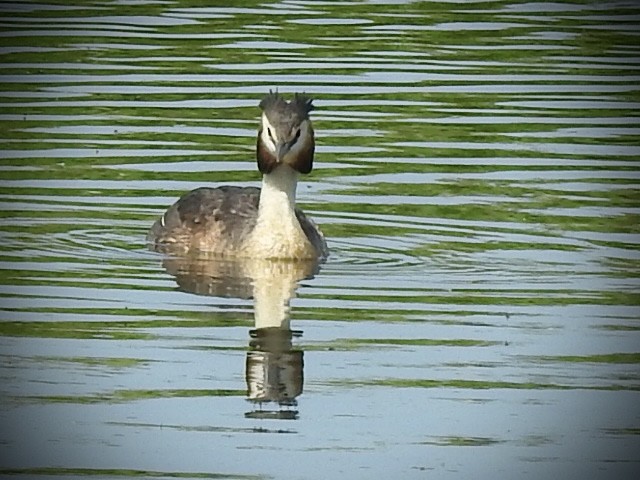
x,y
298,134
269,132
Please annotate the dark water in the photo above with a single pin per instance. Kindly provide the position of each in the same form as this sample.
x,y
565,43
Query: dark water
x,y
477,177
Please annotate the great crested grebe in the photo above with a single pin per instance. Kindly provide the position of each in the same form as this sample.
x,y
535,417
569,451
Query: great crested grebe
x,y
248,222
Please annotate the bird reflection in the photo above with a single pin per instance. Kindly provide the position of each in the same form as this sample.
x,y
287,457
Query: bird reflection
x,y
274,368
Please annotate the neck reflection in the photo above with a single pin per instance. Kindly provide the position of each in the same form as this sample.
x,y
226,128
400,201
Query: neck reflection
x,y
274,366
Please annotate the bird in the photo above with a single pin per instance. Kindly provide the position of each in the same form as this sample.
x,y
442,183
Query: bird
x,y
251,222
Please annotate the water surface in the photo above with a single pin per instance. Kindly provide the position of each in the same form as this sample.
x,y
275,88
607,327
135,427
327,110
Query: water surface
x,y
477,179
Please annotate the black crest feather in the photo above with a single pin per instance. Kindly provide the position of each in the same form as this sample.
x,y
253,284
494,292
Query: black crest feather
x,y
300,105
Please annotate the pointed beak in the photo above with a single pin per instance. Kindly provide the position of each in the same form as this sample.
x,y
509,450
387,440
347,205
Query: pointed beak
x,y
281,150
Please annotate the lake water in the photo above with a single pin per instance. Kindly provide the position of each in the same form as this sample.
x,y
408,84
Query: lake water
x,y
477,177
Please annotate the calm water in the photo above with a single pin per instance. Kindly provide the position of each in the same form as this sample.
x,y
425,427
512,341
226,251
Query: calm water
x,y
477,178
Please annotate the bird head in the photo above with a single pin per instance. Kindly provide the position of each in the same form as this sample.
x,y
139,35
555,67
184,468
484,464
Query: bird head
x,y
286,134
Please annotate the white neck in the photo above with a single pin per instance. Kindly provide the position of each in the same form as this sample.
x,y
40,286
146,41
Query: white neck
x,y
277,233
278,195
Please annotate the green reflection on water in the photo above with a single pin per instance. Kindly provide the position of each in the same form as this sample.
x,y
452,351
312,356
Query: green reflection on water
x,y
429,342
513,297
477,384
116,329
462,441
120,396
107,472
618,358
99,362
